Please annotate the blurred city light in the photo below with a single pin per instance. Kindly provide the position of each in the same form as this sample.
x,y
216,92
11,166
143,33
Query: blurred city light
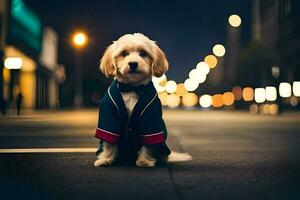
x,y
296,88
234,20
189,99
228,98
294,101
203,68
260,95
79,39
190,85
171,86
163,98
275,71
285,89
248,94
205,101
173,100
211,60
13,63
181,91
219,50
273,109
237,92
197,75
159,82
253,108
271,93
217,100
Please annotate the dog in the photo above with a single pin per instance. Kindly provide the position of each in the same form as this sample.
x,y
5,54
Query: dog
x,y
130,123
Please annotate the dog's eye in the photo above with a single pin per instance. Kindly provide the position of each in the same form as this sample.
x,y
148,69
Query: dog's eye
x,y
143,53
124,53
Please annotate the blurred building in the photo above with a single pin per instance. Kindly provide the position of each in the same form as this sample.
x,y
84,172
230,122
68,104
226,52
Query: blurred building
x,y
24,36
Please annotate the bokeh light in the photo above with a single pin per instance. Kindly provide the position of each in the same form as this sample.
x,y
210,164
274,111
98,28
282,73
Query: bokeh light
x,y
273,109
294,101
173,100
189,99
228,98
237,92
260,95
197,75
285,89
235,20
205,101
203,67
248,94
13,63
271,93
171,86
180,91
219,50
253,108
163,98
217,100
296,88
190,85
211,60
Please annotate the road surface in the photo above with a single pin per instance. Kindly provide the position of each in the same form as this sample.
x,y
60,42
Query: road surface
x,y
235,156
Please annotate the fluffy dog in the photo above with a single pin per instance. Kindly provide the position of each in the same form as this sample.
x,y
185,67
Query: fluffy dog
x,y
130,117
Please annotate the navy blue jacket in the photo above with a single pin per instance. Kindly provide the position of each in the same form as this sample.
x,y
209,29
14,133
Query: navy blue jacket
x,y
144,126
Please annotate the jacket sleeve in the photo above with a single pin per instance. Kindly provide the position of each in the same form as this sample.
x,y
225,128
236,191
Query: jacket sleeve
x,y
152,126
109,125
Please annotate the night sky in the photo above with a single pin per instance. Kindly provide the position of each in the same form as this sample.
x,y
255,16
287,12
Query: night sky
x,y
185,30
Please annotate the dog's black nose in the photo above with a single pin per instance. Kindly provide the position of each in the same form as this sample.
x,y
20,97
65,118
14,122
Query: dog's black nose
x,y
133,66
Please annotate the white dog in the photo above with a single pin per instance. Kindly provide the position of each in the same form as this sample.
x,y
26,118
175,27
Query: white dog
x,y
130,112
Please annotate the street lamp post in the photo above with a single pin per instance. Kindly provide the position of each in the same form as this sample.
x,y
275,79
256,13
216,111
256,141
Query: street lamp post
x,y
79,41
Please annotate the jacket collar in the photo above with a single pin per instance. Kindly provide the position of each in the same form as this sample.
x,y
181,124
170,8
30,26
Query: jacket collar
x,y
146,93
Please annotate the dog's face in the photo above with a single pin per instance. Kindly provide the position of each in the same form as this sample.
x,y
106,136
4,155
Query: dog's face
x,y
133,59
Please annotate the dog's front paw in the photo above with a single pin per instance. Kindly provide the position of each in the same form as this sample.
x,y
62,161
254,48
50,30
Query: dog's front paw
x,y
103,162
144,162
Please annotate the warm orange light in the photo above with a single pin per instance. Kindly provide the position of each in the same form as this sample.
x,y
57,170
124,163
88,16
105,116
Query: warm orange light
x,y
79,39
253,108
163,98
228,98
189,99
211,60
180,91
237,92
273,109
217,100
248,94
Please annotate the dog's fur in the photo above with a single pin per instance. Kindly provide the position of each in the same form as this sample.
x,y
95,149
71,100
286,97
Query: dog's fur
x,y
151,61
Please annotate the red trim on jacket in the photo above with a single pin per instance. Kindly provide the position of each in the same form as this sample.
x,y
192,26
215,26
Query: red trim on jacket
x,y
107,136
155,138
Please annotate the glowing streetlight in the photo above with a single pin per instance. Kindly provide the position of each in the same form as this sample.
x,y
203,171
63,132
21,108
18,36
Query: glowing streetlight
x,y
13,63
79,39
235,20
219,50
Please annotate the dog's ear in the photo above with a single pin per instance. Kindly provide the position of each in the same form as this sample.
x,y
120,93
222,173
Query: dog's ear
x,y
160,63
106,64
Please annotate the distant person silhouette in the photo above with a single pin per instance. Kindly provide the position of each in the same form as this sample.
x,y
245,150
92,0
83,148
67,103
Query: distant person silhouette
x,y
19,102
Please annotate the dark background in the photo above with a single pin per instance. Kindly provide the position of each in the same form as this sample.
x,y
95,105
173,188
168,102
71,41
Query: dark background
x,y
185,30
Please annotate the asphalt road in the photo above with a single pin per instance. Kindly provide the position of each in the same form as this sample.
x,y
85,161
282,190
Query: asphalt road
x,y
235,156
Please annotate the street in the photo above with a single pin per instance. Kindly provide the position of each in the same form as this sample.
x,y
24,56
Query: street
x,y
235,156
